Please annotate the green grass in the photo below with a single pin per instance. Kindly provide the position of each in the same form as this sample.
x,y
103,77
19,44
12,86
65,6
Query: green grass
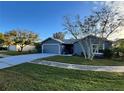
x,y
38,77
13,53
82,61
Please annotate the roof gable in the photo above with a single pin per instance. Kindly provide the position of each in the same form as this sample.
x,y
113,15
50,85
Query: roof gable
x,y
50,38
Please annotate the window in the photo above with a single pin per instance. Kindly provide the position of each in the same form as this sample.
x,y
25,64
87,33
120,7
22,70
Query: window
x,y
97,48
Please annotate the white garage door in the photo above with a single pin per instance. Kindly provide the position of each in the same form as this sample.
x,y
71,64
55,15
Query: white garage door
x,y
51,48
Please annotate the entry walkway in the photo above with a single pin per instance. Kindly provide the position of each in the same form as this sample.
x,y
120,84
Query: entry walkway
x,y
82,67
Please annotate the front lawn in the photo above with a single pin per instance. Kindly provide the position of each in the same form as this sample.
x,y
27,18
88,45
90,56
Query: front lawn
x,y
82,61
39,77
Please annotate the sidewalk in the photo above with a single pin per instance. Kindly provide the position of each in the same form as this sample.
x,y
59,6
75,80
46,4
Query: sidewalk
x,y
82,67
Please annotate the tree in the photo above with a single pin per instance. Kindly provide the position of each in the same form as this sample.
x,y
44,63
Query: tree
x,y
101,23
80,29
7,40
21,38
110,21
59,35
1,36
1,39
119,45
1,42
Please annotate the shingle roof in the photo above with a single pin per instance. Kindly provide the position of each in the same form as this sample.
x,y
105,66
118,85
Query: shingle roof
x,y
69,41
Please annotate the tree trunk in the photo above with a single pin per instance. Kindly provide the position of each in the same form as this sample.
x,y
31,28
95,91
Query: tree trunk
x,y
88,50
83,50
21,48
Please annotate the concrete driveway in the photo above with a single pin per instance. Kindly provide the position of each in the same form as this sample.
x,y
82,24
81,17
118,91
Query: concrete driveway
x,y
15,60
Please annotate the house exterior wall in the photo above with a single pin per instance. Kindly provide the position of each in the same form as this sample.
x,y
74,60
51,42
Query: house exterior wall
x,y
77,48
12,48
29,48
16,48
108,44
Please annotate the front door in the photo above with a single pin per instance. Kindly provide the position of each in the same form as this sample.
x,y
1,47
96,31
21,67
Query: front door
x,y
68,49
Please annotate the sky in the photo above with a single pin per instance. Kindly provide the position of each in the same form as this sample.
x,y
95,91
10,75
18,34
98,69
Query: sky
x,y
43,18
47,17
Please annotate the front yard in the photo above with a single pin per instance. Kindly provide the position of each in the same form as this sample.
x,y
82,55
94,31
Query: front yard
x,y
39,77
82,61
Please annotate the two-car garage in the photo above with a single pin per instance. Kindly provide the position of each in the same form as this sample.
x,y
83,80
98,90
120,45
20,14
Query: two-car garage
x,y
51,48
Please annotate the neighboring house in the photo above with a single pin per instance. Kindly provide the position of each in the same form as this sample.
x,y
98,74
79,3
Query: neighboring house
x,y
17,48
72,46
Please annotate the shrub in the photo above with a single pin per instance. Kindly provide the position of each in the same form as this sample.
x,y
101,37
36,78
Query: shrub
x,y
107,53
38,47
75,54
3,48
118,52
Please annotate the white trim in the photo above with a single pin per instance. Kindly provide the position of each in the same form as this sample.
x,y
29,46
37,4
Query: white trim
x,y
103,46
42,48
53,39
57,40
97,50
52,44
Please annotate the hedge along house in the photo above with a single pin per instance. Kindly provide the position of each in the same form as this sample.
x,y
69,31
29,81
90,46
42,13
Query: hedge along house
x,y
72,46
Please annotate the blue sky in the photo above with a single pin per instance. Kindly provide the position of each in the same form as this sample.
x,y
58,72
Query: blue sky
x,y
43,18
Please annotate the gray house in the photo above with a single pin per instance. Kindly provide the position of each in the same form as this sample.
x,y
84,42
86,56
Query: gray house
x,y
72,46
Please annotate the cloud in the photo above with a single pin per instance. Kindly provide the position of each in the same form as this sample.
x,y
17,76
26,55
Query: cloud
x,y
117,35
116,6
